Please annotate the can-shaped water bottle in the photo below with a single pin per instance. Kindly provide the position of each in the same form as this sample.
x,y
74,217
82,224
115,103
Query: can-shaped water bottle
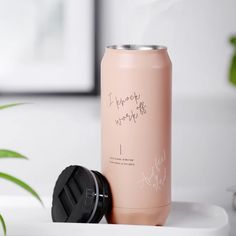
x,y
136,132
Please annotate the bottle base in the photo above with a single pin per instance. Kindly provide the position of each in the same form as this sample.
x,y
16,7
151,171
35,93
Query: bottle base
x,y
147,216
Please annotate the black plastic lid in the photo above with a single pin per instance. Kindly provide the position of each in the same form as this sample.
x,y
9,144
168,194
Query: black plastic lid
x,y
80,195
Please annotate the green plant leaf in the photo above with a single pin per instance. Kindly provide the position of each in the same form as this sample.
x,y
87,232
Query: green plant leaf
x,y
10,105
4,153
2,222
21,184
232,70
233,40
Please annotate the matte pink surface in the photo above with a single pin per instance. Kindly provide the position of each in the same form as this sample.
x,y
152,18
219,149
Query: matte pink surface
x,y
136,134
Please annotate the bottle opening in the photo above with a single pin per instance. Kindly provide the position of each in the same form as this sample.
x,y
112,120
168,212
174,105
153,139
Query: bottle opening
x,y
136,47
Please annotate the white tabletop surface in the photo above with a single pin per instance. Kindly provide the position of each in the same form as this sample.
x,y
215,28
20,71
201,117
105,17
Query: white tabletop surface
x,y
24,217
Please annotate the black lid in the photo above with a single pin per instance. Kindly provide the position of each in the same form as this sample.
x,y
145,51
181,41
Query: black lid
x,y
80,195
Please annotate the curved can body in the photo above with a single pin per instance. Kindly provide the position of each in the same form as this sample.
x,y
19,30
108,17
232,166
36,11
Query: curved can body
x,y
136,132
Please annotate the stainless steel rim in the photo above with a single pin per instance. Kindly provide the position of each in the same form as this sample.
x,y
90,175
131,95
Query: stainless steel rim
x,y
136,47
97,196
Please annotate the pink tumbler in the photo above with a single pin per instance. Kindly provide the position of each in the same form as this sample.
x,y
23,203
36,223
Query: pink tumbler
x,y
136,132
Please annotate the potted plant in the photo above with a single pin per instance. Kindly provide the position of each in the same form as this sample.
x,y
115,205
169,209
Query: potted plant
x,y
5,153
232,70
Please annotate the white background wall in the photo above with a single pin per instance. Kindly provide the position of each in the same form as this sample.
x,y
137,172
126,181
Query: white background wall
x,y
56,132
195,31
